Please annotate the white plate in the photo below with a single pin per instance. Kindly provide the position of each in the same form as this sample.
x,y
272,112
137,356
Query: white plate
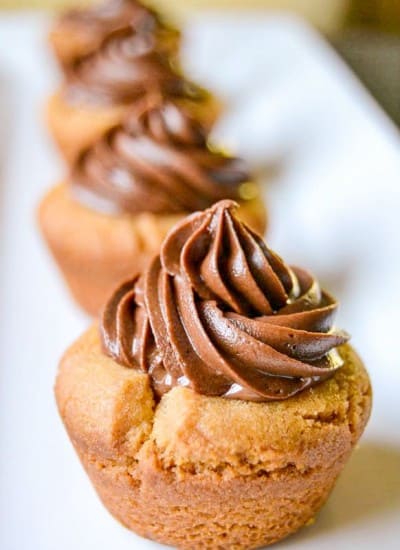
x,y
334,208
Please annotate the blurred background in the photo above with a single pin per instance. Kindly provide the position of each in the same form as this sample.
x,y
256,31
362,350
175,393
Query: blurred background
x,y
365,32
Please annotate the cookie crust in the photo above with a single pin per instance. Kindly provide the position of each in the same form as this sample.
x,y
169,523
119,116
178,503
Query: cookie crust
x,y
200,472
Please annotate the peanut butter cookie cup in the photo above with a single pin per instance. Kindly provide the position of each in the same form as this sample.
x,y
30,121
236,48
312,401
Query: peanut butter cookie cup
x,y
111,56
216,404
129,188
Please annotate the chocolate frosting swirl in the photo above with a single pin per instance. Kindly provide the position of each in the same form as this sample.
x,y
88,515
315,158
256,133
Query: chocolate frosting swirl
x,y
157,160
127,65
220,313
90,26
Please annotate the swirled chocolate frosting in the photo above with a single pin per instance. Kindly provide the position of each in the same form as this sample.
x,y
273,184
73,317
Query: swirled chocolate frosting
x,y
127,65
90,26
157,160
220,313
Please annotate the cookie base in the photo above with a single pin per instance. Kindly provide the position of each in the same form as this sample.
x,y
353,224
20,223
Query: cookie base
x,y
174,473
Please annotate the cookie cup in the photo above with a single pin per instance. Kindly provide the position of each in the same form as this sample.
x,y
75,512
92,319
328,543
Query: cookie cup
x,y
198,472
96,251
75,126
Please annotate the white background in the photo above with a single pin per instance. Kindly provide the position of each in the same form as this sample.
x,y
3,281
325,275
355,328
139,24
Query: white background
x,y
334,195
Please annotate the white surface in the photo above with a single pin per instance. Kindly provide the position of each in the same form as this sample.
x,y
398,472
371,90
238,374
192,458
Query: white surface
x,y
334,205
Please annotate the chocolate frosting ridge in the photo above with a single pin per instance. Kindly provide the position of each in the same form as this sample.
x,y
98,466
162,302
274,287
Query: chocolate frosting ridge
x,y
157,160
220,313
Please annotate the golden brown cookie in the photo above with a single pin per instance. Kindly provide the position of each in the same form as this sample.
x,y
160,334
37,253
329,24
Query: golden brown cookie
x,y
96,251
199,472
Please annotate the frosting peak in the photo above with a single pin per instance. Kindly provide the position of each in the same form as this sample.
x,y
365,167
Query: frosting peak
x,y
219,312
157,160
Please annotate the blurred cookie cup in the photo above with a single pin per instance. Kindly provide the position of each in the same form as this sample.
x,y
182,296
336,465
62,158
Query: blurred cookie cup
x,y
217,403
100,87
129,188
